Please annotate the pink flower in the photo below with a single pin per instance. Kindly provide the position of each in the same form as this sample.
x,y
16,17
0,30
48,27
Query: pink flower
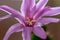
x,y
30,18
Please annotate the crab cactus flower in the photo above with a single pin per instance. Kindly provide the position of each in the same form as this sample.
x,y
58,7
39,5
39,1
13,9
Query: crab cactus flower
x,y
30,18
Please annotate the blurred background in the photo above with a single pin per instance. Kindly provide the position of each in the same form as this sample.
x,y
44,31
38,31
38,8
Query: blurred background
x,y
52,28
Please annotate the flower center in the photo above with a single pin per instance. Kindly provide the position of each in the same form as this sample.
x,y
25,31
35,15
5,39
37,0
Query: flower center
x,y
30,22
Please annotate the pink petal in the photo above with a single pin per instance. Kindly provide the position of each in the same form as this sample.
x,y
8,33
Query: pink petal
x,y
48,20
5,17
41,4
38,31
14,28
9,10
12,12
33,12
26,34
52,12
26,6
40,13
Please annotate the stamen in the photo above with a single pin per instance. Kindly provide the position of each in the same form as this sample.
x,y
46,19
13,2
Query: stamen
x,y
30,22
29,19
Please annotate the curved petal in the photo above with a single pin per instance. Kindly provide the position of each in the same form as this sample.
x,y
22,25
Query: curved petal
x,y
33,11
38,31
48,20
14,28
26,34
12,12
52,12
26,6
5,17
9,10
41,4
40,13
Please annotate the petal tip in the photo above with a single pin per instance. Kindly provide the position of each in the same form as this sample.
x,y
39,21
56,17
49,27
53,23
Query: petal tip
x,y
44,37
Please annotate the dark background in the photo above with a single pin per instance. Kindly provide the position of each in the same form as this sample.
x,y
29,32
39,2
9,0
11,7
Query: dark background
x,y
52,28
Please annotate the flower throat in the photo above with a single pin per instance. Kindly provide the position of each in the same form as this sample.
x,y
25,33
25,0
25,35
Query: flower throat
x,y
30,22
